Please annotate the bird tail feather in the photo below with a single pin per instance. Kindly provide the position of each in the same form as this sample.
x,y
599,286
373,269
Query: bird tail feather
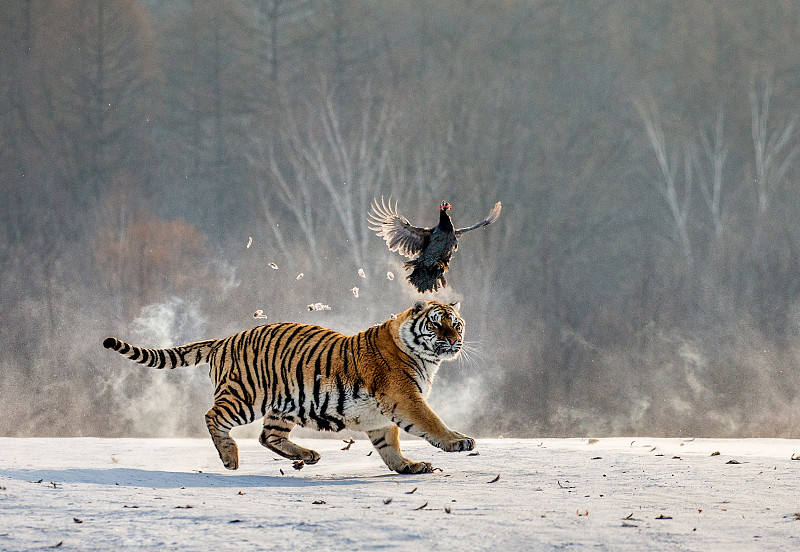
x,y
426,278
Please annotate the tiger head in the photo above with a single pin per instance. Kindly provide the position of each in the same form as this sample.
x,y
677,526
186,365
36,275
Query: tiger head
x,y
433,331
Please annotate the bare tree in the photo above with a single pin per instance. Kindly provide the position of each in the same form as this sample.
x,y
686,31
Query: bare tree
x,y
280,20
775,152
283,176
328,157
678,200
716,152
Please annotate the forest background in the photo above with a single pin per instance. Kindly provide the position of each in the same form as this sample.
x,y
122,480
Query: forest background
x,y
643,278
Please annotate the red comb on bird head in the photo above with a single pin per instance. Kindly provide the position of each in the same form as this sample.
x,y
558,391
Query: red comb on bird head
x,y
445,206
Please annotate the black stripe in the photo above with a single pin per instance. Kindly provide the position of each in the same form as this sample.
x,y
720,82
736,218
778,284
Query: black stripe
x,y
340,391
301,395
290,404
182,355
344,354
318,366
266,347
282,429
279,371
323,421
247,370
329,360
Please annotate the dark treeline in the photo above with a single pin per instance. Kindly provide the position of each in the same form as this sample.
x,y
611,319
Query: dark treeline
x,y
644,276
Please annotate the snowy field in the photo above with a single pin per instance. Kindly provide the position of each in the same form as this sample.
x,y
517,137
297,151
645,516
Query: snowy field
x,y
552,494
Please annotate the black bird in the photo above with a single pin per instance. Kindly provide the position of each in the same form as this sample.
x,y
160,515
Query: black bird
x,y
429,249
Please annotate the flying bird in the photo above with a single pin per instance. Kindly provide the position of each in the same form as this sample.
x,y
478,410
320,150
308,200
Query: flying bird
x,y
429,249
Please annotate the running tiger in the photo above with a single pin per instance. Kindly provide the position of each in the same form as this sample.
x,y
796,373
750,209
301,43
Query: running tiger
x,y
375,381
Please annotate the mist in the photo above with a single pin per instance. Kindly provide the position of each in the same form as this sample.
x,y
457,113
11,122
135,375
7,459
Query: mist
x,y
167,171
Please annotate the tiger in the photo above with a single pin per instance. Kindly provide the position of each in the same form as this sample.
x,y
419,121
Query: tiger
x,y
375,381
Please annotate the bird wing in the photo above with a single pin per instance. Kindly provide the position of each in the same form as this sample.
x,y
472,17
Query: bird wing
x,y
399,234
493,214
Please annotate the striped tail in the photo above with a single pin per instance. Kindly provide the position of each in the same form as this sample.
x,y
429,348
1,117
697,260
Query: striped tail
x,y
185,355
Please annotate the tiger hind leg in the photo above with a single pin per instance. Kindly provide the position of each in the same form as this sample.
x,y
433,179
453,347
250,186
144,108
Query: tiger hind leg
x,y
219,426
387,442
275,436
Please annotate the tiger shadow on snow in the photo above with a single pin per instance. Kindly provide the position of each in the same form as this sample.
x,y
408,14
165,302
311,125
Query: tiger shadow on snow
x,y
159,479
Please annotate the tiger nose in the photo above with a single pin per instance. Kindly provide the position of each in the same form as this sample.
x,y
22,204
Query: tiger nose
x,y
452,340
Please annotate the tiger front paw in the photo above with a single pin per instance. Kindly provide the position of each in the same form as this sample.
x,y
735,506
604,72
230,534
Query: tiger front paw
x,y
458,443
416,467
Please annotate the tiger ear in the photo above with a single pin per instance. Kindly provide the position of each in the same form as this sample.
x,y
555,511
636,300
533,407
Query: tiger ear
x,y
419,304
456,306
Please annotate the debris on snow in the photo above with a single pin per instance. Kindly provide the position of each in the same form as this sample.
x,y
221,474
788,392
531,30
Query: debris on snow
x,y
318,307
355,292
249,242
299,276
362,273
367,482
259,314
390,275
273,266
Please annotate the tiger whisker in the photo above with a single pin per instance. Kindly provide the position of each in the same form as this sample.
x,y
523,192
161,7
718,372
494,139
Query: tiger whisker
x,y
471,357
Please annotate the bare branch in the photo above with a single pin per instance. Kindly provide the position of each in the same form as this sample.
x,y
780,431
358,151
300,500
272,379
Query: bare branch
x,y
668,165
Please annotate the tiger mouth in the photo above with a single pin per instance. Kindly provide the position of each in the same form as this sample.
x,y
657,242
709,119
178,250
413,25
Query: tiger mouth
x,y
446,349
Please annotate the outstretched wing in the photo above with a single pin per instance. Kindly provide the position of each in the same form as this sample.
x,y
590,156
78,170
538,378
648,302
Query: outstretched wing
x,y
493,214
396,231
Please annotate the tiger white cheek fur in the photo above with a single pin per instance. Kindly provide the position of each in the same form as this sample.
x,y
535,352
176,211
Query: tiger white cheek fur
x,y
297,374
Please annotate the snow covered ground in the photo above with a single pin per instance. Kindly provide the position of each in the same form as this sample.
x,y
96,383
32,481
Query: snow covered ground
x,y
551,494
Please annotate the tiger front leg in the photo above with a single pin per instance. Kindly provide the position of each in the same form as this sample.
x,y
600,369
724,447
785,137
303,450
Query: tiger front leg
x,y
386,441
417,418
